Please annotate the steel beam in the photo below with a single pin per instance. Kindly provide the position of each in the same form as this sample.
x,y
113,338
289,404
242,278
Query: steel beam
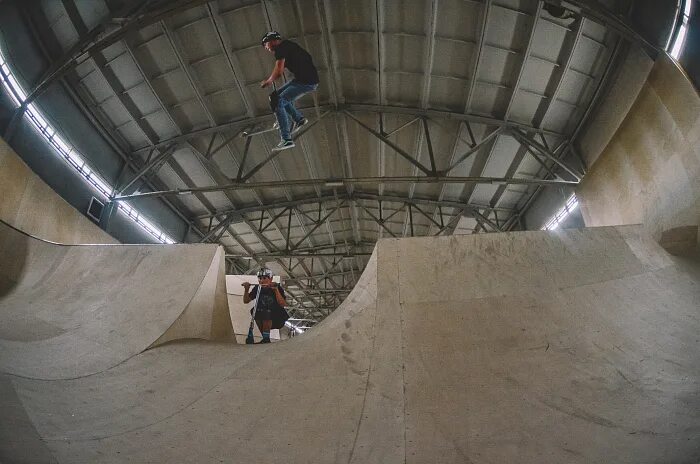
x,y
293,255
333,182
526,55
105,35
486,9
244,123
388,142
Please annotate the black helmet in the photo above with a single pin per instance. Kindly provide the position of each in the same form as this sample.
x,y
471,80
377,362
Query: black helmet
x,y
265,272
272,35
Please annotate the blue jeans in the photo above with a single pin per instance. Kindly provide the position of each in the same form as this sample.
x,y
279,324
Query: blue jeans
x,y
288,94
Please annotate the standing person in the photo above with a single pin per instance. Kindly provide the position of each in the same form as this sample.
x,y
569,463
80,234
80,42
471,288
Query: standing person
x,y
289,55
270,305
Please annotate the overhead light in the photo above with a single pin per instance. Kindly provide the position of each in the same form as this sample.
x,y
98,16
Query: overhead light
x,y
335,184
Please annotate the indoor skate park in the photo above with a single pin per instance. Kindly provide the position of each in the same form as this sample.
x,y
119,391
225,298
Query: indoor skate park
x,y
486,229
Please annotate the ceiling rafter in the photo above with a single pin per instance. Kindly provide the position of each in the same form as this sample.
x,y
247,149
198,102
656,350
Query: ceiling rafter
x,y
354,107
380,12
335,182
102,124
105,35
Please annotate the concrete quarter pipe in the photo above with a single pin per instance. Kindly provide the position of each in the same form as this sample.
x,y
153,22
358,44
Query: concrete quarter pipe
x,y
528,347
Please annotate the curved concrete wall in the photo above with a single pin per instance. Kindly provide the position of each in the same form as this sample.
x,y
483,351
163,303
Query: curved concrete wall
x,y
574,346
649,173
74,310
27,203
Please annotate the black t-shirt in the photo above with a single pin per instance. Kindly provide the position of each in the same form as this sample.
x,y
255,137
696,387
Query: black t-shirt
x,y
298,61
267,300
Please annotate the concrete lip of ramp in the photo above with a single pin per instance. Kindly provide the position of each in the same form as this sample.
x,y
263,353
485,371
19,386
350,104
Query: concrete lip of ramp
x,y
574,346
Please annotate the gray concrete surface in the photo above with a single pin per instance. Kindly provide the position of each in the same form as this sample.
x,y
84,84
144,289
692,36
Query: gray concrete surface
x,y
649,172
579,346
74,310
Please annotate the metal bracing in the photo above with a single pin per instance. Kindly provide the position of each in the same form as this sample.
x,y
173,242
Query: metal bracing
x,y
423,135
517,217
486,9
527,141
231,59
151,136
150,165
356,195
270,157
379,17
547,105
476,147
103,127
543,111
388,142
342,108
339,182
106,34
291,254
526,55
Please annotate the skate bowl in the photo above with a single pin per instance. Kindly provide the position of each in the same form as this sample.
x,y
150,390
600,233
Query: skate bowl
x,y
74,310
528,347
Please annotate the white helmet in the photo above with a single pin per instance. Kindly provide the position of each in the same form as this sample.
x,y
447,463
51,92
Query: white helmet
x,y
265,272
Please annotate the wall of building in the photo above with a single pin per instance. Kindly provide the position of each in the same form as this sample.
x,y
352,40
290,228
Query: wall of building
x,y
649,172
654,19
625,84
29,204
29,62
628,80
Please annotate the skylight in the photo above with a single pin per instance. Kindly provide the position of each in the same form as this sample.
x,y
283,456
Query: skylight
x,y
70,154
569,207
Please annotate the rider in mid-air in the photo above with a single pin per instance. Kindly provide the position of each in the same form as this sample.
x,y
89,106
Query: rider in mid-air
x,y
289,55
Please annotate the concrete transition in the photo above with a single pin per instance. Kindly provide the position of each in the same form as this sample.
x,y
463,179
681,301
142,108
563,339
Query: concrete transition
x,y
72,311
530,347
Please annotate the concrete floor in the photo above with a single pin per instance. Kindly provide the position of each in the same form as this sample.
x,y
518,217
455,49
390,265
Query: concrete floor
x,y
530,347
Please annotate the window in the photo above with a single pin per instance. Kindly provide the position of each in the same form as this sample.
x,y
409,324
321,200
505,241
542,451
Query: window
x,y
69,154
571,205
678,35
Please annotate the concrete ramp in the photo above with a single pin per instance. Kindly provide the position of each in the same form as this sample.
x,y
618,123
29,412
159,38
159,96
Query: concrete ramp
x,y
574,346
71,311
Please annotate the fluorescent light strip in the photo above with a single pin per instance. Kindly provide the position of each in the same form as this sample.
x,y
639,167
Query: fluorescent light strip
x,y
571,205
70,155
